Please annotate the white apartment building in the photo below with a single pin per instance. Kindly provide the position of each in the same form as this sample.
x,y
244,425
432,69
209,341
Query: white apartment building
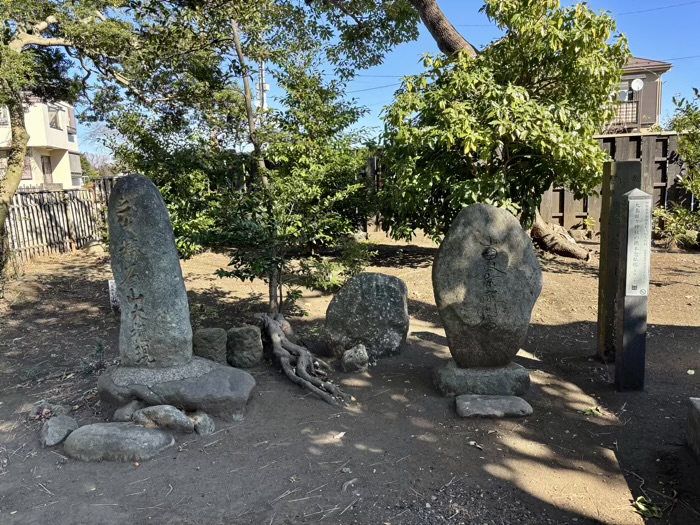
x,y
53,156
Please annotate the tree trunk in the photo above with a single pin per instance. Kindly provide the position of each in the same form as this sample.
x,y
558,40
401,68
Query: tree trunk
x,y
450,41
555,239
248,94
444,33
13,173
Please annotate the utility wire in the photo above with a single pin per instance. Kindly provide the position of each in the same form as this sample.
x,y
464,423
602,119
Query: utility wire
x,y
373,88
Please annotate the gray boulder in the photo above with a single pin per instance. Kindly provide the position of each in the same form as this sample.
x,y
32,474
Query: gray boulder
x,y
244,347
486,279
372,310
200,385
56,430
492,406
210,343
355,359
116,442
126,412
155,326
164,416
203,424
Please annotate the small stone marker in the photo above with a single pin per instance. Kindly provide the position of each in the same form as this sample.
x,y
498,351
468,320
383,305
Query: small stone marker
x,y
631,318
116,442
113,296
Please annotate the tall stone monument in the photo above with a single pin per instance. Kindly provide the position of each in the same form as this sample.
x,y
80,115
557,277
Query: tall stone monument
x,y
486,279
155,338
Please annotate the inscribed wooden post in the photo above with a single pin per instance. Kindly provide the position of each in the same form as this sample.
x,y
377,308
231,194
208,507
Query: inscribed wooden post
x,y
635,262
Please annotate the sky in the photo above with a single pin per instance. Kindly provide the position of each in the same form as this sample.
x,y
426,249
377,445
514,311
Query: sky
x,y
665,30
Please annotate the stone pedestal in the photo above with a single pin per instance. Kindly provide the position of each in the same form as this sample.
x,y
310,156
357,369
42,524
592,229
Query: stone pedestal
x,y
509,380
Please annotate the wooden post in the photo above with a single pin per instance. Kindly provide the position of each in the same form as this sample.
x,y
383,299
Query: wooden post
x,y
635,263
618,179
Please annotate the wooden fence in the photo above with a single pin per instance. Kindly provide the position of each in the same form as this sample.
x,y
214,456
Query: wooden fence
x,y
660,166
52,222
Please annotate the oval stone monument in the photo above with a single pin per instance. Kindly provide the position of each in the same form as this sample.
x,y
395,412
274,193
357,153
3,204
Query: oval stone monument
x,y
486,279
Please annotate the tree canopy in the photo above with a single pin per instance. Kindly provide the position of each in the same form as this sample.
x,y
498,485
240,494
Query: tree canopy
x,y
503,126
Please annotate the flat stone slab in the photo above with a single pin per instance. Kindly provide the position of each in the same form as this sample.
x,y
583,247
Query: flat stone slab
x,y
694,425
509,380
220,391
116,442
491,406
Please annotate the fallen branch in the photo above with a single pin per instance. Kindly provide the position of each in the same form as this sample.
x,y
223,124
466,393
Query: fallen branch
x,y
555,239
298,363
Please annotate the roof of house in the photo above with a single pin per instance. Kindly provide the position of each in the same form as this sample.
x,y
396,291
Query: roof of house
x,y
636,63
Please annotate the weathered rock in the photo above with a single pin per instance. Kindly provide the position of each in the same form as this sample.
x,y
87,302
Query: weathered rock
x,y
155,321
372,310
244,347
44,410
218,390
492,406
210,343
163,416
509,380
203,424
486,279
94,248
56,430
116,442
126,412
355,359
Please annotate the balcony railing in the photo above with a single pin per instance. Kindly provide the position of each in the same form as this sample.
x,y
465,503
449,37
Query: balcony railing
x,y
627,113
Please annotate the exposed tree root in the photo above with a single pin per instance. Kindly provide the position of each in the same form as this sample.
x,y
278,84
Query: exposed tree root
x,y
298,363
555,239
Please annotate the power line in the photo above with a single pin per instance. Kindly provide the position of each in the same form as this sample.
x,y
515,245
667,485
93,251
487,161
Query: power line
x,y
658,8
373,88
681,58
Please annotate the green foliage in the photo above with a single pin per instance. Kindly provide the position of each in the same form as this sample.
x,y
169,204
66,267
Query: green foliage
x,y
94,363
329,274
647,508
504,126
677,224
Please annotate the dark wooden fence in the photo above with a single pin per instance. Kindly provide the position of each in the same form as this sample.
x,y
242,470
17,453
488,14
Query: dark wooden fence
x,y
660,166
52,222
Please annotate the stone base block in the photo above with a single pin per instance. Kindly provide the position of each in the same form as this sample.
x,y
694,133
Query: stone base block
x,y
694,425
116,442
220,391
509,380
469,405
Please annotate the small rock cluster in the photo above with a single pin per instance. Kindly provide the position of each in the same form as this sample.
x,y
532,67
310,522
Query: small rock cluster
x,y
138,433
240,347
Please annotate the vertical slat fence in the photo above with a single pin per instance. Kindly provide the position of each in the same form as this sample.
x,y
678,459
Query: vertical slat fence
x,y
44,223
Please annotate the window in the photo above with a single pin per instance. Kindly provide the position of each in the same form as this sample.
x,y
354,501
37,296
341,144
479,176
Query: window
x,y
54,118
3,163
4,117
27,173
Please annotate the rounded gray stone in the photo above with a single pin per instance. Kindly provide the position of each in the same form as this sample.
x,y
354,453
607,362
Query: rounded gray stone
x,y
486,279
244,347
372,310
155,326
116,442
56,429
509,380
218,390
355,359
203,424
491,406
210,343
163,416
126,412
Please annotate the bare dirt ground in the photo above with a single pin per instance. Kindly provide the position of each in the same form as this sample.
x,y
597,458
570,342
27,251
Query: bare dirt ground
x,y
399,455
